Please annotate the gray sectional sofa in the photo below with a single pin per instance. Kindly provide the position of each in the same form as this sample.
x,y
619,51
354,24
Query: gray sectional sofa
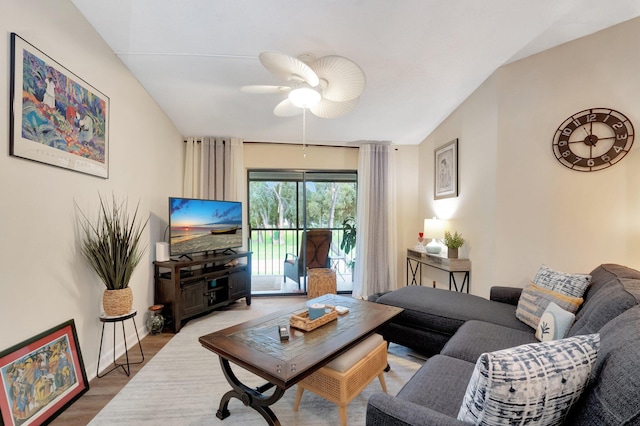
x,y
456,328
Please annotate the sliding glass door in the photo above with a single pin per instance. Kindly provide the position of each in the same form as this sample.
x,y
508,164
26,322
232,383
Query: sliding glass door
x,y
283,204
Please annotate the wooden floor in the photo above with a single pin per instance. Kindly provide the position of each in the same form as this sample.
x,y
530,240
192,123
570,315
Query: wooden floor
x,y
102,390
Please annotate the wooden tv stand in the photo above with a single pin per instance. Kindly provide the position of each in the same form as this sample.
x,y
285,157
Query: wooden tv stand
x,y
188,288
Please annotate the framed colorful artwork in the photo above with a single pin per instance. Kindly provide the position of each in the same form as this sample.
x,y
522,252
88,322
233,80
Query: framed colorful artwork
x,y
446,170
56,117
41,377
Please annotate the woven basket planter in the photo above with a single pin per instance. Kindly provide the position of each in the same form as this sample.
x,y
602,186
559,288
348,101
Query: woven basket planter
x,y
117,302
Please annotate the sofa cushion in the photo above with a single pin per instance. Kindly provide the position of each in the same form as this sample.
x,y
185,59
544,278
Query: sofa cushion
x,y
534,301
614,397
606,273
445,311
477,337
439,384
386,410
554,323
614,290
573,285
535,383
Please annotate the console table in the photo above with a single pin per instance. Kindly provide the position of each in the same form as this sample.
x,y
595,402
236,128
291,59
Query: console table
x,y
416,259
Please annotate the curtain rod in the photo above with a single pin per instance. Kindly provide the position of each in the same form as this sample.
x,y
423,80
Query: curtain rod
x,y
297,144
293,144
199,141
308,145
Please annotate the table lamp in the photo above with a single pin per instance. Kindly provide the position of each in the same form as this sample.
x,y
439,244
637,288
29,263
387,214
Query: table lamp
x,y
434,229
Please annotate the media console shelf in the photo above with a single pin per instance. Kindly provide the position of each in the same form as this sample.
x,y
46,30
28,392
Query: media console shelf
x,y
188,288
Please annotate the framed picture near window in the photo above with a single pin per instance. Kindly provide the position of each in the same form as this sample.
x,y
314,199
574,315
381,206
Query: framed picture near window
x,y
56,117
446,170
41,377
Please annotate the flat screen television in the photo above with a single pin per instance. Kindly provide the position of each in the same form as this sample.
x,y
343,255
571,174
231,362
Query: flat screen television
x,y
197,226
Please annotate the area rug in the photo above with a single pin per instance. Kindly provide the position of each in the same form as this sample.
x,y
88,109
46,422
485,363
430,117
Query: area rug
x,y
183,383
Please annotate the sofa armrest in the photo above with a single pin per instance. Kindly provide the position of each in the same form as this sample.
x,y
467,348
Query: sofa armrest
x,y
387,410
509,295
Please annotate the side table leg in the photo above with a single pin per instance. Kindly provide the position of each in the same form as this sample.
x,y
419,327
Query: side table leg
x,y
253,398
126,367
139,343
100,353
466,281
127,370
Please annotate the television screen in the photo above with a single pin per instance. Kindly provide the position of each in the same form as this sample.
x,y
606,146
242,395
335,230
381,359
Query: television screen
x,y
203,225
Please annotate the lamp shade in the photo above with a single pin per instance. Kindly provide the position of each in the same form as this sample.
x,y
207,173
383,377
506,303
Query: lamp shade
x,y
304,97
434,228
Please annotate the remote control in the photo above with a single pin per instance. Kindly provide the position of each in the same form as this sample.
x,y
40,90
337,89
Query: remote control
x,y
284,334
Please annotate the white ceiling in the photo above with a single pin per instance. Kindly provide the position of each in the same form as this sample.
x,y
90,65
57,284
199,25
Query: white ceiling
x,y
421,58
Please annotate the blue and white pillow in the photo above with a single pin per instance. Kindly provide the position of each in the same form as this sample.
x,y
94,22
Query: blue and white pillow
x,y
573,285
536,383
554,323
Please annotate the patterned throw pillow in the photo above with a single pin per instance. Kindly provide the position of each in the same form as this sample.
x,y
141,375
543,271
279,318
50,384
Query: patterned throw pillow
x,y
573,285
530,384
534,301
554,323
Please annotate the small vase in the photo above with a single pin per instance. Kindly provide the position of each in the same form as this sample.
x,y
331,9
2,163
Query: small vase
x,y
452,253
117,302
155,320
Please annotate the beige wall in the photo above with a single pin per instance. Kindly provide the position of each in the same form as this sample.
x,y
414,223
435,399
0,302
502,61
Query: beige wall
x,y
410,221
518,207
44,280
287,156
472,213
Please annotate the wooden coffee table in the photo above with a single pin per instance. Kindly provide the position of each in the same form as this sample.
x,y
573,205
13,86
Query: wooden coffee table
x,y
255,345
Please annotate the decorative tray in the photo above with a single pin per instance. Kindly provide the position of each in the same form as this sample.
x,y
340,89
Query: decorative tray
x,y
301,320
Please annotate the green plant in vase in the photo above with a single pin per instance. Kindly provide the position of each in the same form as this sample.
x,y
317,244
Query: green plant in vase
x,y
453,242
349,238
111,245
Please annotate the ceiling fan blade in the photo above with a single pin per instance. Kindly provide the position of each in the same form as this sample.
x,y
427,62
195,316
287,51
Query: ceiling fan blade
x,y
331,109
264,89
288,67
345,80
286,109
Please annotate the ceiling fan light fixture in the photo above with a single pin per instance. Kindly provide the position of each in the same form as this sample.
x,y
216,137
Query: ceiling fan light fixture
x,y
304,97
328,87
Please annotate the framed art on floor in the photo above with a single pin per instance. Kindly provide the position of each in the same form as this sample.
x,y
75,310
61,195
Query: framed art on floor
x,y
446,170
41,376
56,117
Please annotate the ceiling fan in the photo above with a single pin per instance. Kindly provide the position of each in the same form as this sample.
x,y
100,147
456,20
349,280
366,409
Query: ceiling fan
x,y
329,86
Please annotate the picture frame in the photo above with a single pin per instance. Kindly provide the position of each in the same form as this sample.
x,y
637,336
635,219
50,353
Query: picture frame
x,y
41,376
446,171
56,117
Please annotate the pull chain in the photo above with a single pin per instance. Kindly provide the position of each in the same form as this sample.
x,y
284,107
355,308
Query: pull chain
x,y
304,132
